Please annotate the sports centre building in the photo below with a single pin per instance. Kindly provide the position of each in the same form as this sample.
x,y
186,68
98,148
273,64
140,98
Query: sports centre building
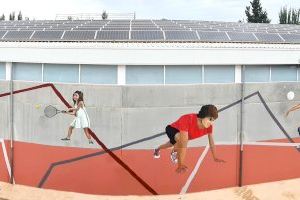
x,y
138,76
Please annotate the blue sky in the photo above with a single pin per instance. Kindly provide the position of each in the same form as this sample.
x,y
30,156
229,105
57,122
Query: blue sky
x,y
210,10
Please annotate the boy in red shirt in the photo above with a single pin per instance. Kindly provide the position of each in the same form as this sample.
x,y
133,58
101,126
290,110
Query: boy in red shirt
x,y
189,127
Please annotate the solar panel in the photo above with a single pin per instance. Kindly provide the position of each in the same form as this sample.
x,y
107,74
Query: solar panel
x,y
144,29
268,37
181,35
205,29
112,35
18,35
149,30
47,35
213,36
32,29
79,35
173,28
147,35
116,28
235,36
87,28
225,29
294,38
2,34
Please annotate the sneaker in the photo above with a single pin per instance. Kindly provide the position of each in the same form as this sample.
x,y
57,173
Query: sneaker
x,y
174,157
65,139
156,153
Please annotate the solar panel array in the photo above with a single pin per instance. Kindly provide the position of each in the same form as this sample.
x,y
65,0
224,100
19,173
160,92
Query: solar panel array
x,y
147,30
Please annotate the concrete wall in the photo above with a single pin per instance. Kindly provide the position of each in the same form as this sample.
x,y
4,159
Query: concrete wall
x,y
122,114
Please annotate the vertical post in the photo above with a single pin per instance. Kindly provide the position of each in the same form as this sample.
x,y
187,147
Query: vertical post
x,y
238,74
242,126
121,75
11,123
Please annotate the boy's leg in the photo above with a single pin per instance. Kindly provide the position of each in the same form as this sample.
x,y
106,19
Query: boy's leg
x,y
165,146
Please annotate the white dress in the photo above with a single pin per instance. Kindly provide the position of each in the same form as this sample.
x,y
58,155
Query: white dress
x,y
82,119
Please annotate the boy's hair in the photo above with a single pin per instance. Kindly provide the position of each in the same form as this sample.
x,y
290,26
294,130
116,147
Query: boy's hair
x,y
80,94
208,111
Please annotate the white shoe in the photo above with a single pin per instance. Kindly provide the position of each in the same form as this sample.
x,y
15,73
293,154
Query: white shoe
x,y
173,157
156,153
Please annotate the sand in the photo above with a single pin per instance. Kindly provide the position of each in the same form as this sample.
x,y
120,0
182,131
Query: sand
x,y
288,189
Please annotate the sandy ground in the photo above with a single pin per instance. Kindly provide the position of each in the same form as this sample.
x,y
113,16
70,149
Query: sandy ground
x,y
288,189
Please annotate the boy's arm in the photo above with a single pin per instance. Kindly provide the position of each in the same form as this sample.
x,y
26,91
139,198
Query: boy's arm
x,y
213,148
182,145
296,107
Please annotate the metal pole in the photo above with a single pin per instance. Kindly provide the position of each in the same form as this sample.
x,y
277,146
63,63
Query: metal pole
x,y
11,126
242,127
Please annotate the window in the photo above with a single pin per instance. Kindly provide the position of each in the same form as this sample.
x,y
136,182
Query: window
x,y
147,74
27,71
61,73
284,73
101,74
2,71
257,73
183,74
219,74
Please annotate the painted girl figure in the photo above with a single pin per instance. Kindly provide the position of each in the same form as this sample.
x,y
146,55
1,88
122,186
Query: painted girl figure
x,y
81,117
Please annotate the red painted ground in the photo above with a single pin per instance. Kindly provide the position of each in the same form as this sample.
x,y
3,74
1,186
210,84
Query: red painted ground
x,y
102,175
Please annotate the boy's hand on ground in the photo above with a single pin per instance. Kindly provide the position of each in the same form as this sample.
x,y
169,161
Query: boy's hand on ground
x,y
181,169
219,160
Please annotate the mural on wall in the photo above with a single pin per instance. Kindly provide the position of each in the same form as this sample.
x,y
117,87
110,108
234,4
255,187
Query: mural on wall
x,y
129,169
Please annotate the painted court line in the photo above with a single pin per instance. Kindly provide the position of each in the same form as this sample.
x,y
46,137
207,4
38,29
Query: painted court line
x,y
195,170
274,144
6,159
202,156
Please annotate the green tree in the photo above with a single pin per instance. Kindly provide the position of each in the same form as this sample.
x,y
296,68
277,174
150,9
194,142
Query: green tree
x,y
291,16
12,16
295,16
104,15
2,17
256,14
20,17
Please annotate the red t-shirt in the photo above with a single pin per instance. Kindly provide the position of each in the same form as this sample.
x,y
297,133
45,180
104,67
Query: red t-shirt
x,y
188,123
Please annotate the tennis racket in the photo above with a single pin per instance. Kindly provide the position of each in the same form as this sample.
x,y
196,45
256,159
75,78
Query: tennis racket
x,y
51,111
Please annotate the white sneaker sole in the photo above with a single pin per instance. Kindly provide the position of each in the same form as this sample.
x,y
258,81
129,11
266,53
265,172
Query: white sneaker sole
x,y
173,161
156,156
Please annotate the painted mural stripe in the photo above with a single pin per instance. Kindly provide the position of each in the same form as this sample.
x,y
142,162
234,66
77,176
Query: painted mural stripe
x,y
274,144
194,172
6,159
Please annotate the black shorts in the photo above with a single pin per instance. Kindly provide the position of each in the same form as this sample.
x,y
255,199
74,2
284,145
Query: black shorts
x,y
171,132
